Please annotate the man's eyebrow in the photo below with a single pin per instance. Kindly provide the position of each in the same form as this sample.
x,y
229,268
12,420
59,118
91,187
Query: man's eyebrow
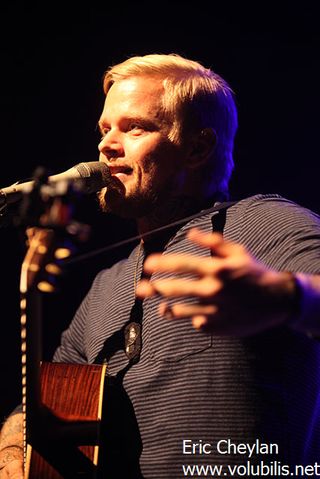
x,y
132,118
99,125
147,121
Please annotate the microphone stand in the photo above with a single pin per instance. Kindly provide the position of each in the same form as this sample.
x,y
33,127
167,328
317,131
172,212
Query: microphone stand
x,y
49,211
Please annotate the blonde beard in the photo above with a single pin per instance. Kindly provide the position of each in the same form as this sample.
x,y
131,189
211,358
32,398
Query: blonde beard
x,y
114,201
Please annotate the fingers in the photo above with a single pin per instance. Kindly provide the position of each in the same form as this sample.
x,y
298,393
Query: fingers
x,y
202,288
145,289
215,241
209,273
203,317
200,322
225,282
186,310
227,256
207,240
179,263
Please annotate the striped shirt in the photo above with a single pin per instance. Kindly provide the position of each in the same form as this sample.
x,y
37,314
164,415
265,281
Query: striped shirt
x,y
192,386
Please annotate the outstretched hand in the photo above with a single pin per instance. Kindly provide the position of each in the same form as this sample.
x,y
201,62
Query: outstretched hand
x,y
236,294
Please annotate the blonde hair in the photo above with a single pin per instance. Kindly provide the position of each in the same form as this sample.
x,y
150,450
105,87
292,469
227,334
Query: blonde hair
x,y
194,98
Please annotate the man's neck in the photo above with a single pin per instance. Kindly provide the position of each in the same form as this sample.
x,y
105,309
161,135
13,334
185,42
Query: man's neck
x,y
171,210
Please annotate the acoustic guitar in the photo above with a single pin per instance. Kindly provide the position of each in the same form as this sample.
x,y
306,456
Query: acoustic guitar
x,y
62,403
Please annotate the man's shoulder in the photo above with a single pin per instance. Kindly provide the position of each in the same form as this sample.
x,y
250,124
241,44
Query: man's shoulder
x,y
239,208
275,230
262,200
272,206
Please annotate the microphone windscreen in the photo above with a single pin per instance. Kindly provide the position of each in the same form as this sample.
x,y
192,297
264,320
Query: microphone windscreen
x,y
95,175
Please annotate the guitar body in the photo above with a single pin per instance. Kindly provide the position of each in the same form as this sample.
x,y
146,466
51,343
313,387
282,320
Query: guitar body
x,y
64,443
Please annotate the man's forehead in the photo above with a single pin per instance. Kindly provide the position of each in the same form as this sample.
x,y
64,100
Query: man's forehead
x,y
136,87
141,94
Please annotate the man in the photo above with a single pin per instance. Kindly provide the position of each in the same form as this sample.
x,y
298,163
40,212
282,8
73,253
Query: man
x,y
230,379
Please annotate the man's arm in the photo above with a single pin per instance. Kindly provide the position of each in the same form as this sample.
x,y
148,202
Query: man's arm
x,y
11,448
236,294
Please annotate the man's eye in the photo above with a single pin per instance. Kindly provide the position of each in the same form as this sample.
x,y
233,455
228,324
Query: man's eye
x,y
104,132
136,128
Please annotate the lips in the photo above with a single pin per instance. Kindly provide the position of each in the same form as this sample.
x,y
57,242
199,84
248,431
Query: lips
x,y
114,170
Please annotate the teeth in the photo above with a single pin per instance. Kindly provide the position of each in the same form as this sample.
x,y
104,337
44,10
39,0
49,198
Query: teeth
x,y
123,170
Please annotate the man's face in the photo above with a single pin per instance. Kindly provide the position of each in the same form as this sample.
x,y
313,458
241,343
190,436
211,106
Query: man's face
x,y
145,164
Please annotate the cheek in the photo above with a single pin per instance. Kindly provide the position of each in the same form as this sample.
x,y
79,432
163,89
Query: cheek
x,y
154,158
148,172
144,156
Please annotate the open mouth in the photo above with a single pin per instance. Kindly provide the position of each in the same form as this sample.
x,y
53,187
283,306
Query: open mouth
x,y
120,171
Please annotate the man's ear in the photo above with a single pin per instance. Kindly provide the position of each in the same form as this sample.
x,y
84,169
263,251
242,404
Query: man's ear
x,y
201,146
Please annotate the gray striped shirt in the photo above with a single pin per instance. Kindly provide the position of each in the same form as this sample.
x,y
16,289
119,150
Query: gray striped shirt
x,y
189,385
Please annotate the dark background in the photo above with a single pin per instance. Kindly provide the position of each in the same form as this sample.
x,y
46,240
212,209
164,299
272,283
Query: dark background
x,y
53,56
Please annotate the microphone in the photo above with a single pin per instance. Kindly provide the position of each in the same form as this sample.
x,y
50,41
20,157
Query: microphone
x,y
93,175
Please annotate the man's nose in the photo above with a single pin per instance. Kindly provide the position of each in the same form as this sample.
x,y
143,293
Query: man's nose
x,y
111,145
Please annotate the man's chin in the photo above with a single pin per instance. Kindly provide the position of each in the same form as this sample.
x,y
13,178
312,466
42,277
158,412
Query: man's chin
x,y
113,201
